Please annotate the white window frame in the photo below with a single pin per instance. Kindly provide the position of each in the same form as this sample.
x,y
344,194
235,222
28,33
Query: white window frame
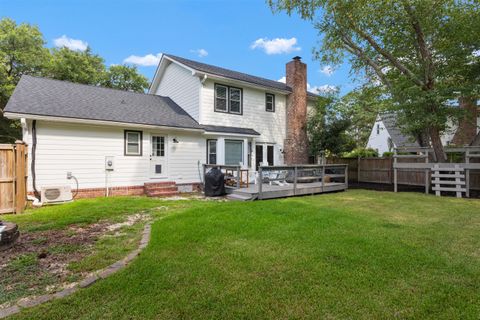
x,y
209,151
227,96
139,135
229,99
266,102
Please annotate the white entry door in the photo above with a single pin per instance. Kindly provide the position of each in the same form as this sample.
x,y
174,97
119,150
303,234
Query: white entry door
x,y
158,157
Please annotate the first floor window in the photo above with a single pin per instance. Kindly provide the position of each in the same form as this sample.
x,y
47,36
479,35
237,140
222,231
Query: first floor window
x,y
133,143
249,154
158,146
270,156
212,151
233,152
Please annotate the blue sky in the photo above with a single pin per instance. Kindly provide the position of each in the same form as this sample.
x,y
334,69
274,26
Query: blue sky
x,y
217,32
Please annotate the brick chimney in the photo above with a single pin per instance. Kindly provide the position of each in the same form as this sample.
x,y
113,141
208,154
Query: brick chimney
x,y
467,126
295,146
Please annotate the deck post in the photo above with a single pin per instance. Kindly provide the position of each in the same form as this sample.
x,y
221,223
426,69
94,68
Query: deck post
x,y
323,178
346,176
295,171
260,182
238,177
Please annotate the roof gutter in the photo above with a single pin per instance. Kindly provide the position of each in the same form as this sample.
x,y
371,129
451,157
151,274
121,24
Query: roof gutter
x,y
13,115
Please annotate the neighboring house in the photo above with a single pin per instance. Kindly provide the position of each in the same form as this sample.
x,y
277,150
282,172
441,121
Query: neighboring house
x,y
386,134
193,114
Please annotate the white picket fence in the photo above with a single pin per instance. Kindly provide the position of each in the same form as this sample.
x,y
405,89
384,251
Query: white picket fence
x,y
448,179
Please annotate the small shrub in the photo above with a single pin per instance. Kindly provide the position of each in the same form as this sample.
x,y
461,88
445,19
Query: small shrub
x,y
387,154
361,152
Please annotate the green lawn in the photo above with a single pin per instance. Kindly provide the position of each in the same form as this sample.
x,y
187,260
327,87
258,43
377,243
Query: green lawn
x,y
352,255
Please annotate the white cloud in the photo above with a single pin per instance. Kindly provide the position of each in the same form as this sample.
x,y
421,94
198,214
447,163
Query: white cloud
x,y
327,70
72,44
276,46
476,53
144,61
200,52
324,89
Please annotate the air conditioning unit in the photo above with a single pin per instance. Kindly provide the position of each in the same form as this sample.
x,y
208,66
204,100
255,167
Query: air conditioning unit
x,y
56,194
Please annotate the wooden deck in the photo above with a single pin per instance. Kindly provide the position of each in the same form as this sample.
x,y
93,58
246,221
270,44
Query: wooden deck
x,y
275,191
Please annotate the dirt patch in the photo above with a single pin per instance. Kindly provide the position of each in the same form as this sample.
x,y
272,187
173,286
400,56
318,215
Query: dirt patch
x,y
38,262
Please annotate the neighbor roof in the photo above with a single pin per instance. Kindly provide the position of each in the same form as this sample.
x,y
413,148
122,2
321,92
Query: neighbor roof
x,y
236,130
389,119
47,97
235,75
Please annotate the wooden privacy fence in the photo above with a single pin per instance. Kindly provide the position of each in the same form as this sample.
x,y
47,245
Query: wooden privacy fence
x,y
380,170
13,177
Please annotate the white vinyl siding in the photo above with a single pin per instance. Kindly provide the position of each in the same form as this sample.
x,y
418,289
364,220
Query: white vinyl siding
x,y
270,125
182,87
81,149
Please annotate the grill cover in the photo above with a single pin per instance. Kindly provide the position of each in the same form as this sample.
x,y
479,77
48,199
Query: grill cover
x,y
214,183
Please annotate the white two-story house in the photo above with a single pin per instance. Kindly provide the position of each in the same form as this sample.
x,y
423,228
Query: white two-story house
x,y
118,142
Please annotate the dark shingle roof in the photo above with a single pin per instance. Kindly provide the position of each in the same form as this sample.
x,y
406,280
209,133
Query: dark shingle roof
x,y
47,97
226,73
236,130
389,119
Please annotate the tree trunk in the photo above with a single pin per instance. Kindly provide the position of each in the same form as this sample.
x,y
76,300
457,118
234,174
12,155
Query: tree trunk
x,y
467,125
437,145
476,141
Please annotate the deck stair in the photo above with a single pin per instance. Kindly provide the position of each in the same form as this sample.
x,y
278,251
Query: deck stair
x,y
240,196
161,189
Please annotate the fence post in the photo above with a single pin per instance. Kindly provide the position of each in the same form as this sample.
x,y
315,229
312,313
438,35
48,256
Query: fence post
x,y
427,184
467,174
395,182
20,173
358,170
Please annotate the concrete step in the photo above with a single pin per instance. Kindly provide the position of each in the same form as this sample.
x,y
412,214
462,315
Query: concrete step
x,y
165,188
158,194
239,197
159,184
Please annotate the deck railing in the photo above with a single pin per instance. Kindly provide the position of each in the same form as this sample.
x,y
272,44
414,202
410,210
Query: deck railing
x,y
290,177
226,169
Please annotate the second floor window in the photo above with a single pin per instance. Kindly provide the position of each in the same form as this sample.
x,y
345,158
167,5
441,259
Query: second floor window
x,y
228,99
269,102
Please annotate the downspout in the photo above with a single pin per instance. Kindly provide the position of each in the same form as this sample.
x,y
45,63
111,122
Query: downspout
x,y
32,168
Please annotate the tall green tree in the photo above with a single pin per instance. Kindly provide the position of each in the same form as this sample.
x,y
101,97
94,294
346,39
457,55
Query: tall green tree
x,y
21,52
76,66
421,51
125,77
361,107
327,129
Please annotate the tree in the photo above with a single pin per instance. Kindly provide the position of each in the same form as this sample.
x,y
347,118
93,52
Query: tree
x,y
327,130
125,78
422,52
76,66
21,52
361,107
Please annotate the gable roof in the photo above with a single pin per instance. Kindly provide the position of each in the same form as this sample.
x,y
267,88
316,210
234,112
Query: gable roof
x,y
389,120
48,97
234,75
